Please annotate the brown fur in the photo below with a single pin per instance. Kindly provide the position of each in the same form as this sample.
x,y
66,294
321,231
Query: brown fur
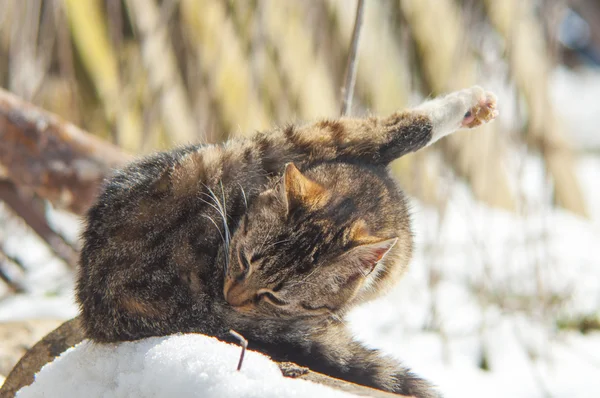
x,y
276,236
136,306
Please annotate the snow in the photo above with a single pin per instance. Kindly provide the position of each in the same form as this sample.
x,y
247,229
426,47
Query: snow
x,y
575,96
38,306
173,366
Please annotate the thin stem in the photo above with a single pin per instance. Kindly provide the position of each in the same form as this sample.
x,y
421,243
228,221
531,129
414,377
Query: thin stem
x,y
352,63
243,343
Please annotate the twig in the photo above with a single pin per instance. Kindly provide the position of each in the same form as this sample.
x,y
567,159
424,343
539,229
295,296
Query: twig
x,y
25,209
352,63
14,286
244,344
535,372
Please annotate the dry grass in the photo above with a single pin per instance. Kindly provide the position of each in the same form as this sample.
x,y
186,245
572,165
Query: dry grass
x,y
151,74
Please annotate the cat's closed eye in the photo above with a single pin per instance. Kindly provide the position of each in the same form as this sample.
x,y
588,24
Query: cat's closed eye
x,y
270,297
247,259
321,309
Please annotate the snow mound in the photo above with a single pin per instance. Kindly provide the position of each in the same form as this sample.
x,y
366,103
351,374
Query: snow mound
x,y
187,365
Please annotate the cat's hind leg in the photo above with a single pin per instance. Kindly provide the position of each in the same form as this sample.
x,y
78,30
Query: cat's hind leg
x,y
375,140
466,108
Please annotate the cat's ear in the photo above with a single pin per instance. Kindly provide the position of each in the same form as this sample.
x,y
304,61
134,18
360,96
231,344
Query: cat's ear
x,y
302,191
368,250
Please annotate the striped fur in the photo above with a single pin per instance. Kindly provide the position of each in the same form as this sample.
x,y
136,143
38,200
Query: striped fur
x,y
276,236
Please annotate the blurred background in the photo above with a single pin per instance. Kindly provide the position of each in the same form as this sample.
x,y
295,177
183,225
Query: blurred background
x,y
503,296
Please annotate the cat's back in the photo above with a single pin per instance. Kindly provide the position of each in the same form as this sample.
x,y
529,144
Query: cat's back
x,y
149,261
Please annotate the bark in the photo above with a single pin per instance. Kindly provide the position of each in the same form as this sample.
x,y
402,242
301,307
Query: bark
x,y
46,350
52,158
69,334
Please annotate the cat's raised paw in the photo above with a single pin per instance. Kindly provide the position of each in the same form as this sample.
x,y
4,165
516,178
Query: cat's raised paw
x,y
467,108
482,112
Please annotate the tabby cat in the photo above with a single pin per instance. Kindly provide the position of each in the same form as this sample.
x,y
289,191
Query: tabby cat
x,y
276,236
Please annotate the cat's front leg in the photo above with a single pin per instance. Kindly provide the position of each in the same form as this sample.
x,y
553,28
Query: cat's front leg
x,y
371,368
334,352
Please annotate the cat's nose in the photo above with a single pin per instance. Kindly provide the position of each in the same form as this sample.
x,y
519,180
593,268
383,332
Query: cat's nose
x,y
237,295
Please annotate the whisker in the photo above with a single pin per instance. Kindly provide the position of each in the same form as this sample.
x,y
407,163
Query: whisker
x,y
224,207
278,242
222,211
244,195
307,276
210,204
215,224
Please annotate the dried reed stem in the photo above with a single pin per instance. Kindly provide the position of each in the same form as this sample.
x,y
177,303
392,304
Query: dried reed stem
x,y
530,67
224,65
352,63
90,36
163,76
448,65
306,73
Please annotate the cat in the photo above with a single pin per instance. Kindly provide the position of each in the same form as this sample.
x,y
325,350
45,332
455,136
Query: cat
x,y
276,236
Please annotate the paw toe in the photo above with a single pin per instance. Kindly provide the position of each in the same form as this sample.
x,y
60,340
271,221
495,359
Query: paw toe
x,y
483,111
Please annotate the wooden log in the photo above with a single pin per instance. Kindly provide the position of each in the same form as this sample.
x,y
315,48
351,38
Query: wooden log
x,y
46,350
51,157
69,334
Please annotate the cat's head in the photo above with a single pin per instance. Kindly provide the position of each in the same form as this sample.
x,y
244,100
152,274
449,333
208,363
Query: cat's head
x,y
301,251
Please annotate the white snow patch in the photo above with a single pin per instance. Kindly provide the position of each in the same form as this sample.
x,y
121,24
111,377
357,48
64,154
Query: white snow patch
x,y
189,365
575,98
37,306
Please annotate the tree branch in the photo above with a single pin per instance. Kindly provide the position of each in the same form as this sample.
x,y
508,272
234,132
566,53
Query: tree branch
x,y
53,158
13,285
24,208
69,333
